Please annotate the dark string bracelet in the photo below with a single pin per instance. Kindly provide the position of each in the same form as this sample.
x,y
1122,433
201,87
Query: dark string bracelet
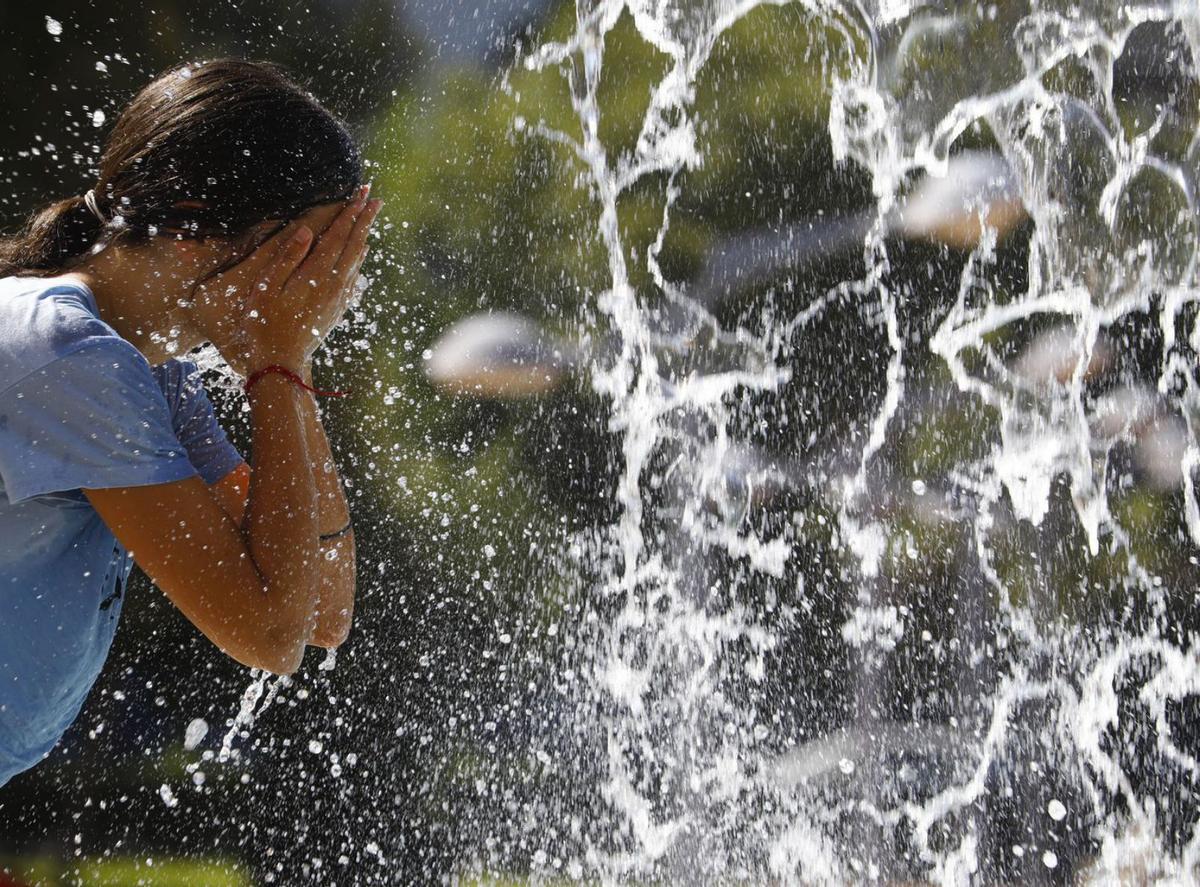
x,y
325,537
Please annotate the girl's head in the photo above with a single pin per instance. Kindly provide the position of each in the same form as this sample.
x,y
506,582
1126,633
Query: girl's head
x,y
207,151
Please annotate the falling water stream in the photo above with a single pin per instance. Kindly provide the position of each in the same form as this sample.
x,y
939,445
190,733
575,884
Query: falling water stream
x,y
699,784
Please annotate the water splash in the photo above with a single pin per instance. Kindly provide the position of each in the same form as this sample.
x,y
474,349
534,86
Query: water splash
x,y
695,790
256,699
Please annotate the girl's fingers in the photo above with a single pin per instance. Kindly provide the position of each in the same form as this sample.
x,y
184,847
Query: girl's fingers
x,y
319,218
356,266
329,248
333,311
276,247
349,291
286,259
357,239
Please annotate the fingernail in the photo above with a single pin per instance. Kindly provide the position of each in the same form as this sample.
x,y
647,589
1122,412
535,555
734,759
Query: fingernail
x,y
302,236
376,204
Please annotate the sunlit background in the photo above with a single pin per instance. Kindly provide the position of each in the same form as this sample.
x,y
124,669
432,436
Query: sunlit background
x,y
455,733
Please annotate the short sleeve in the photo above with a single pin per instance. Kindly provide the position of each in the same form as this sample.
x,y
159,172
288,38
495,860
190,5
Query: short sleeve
x,y
194,422
92,418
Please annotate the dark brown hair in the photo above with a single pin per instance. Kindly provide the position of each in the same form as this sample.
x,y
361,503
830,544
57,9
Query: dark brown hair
x,y
206,149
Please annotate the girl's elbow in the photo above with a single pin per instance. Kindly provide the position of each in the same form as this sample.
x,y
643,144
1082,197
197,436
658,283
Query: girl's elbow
x,y
284,664
332,629
270,636
274,657
276,646
335,611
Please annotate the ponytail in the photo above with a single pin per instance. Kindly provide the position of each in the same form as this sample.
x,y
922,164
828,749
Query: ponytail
x,y
53,236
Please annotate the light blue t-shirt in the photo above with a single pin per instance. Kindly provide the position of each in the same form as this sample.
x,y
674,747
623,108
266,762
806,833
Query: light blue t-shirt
x,y
80,407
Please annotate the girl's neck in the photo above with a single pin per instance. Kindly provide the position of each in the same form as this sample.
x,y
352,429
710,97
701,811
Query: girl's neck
x,y
138,295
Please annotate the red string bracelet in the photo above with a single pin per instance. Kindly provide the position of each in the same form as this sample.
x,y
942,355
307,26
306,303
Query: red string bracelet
x,y
253,378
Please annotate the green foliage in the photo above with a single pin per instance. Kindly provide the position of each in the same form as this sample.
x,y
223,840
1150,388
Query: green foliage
x,y
127,872
486,214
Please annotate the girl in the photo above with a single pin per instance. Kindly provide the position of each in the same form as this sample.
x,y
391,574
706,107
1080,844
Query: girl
x,y
229,209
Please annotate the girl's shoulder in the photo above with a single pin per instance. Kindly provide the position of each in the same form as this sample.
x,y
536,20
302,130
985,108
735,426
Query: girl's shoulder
x,y
45,318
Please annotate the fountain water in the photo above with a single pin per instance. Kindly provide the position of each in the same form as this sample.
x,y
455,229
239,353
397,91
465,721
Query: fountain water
x,y
1032,765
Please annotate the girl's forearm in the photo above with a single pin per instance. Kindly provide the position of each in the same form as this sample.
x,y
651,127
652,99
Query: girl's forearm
x,y
281,524
335,606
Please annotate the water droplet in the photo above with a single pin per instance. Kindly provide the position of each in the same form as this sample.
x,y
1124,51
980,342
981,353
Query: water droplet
x,y
98,118
53,26
195,733
1050,859
1056,810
